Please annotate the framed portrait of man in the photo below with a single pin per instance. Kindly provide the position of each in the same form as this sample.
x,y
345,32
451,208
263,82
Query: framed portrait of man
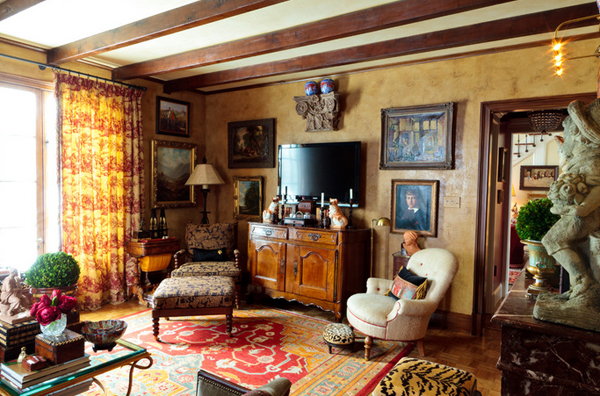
x,y
415,206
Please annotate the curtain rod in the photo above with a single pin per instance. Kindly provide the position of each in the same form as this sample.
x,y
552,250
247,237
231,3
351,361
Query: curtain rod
x,y
43,66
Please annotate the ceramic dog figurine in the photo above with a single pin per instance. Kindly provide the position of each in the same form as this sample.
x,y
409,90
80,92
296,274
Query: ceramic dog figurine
x,y
267,213
338,220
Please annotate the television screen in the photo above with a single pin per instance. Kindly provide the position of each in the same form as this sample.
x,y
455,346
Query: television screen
x,y
307,170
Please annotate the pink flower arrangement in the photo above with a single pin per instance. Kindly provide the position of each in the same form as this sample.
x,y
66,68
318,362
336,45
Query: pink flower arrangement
x,y
49,309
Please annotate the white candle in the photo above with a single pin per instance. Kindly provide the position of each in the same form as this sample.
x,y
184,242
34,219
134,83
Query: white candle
x,y
322,199
350,193
278,190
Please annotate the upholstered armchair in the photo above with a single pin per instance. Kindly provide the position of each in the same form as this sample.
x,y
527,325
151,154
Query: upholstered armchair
x,y
379,316
211,251
211,385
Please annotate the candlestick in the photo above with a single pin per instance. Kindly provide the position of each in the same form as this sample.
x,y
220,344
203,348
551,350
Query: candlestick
x,y
286,191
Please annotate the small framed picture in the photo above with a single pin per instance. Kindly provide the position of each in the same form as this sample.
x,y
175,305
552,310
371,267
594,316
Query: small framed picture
x,y
289,210
537,177
172,117
415,206
248,197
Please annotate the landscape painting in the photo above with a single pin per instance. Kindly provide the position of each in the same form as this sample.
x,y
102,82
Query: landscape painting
x,y
247,197
251,144
172,165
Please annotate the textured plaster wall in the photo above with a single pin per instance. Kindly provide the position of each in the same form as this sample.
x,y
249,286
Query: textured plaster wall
x,y
467,82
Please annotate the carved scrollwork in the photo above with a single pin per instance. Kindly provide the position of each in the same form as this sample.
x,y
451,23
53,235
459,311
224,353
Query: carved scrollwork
x,y
321,112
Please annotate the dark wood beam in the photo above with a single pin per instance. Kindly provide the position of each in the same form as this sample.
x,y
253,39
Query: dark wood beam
x,y
10,8
526,25
360,22
173,21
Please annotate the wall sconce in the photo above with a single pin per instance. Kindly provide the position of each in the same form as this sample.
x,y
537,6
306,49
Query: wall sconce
x,y
557,45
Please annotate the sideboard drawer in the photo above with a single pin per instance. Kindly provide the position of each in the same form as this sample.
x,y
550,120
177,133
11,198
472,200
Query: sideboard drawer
x,y
321,236
269,232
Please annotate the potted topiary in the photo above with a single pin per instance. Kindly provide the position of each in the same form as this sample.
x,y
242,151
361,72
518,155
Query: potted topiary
x,y
533,222
53,271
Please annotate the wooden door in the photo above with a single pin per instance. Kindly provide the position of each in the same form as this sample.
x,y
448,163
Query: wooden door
x,y
267,264
311,272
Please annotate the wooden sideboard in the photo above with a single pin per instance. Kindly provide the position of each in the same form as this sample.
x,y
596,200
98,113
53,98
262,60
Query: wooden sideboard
x,y
543,358
314,266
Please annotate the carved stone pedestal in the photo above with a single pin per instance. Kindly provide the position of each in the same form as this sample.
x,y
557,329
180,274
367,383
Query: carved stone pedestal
x,y
542,358
321,111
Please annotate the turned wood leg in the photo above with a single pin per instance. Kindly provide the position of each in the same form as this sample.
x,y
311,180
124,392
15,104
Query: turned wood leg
x,y
229,321
368,344
155,328
420,347
238,291
329,349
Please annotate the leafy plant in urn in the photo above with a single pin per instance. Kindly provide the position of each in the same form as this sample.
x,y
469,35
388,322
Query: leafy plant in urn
x,y
533,222
52,270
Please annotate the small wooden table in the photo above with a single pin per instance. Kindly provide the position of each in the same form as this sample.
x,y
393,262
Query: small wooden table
x,y
152,255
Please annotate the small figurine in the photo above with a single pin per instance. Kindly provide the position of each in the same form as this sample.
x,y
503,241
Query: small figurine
x,y
410,243
12,300
22,355
338,220
268,213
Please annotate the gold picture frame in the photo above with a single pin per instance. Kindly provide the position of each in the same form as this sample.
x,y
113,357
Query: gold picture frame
x,y
248,198
172,165
423,195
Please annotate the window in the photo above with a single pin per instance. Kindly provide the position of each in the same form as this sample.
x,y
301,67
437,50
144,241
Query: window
x,y
29,192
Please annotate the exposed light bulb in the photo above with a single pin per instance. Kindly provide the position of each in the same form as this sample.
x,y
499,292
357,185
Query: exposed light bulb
x,y
559,71
557,46
558,57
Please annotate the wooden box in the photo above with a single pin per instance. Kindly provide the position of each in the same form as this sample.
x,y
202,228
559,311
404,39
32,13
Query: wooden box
x,y
63,348
18,334
307,206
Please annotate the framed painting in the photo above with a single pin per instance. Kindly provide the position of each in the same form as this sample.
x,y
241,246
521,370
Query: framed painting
x,y
415,206
537,177
172,165
172,117
251,144
248,198
417,137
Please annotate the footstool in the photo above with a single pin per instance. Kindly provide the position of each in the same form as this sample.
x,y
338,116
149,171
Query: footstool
x,y
415,377
338,335
193,296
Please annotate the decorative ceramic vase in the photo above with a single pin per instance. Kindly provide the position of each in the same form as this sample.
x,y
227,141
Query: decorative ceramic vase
x,y
327,85
311,88
55,328
541,266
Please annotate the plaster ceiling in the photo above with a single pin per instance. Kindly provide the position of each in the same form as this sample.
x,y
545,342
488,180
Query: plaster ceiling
x,y
217,45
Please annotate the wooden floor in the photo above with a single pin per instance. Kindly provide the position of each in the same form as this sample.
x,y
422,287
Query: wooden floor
x,y
477,355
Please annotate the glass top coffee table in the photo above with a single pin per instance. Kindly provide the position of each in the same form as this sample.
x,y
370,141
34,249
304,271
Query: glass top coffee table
x,y
124,353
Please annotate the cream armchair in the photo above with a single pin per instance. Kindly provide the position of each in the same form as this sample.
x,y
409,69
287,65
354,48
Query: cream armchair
x,y
379,316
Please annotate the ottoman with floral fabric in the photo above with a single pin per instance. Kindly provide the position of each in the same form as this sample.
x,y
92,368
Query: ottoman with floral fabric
x,y
193,296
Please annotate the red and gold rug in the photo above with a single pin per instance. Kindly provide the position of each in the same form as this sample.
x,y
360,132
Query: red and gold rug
x,y
266,343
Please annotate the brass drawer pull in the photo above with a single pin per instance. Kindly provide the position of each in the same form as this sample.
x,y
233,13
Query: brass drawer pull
x,y
314,237
268,232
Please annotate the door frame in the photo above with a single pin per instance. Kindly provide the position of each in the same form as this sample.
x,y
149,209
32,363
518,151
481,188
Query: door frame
x,y
488,109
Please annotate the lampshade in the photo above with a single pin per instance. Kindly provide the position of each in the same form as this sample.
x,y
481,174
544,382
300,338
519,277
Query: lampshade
x,y
384,221
204,174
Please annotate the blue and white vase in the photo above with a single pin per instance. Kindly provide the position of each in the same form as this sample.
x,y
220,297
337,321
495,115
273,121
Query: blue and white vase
x,y
327,85
311,88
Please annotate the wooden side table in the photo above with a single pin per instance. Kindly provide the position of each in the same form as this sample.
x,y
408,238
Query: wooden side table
x,y
152,255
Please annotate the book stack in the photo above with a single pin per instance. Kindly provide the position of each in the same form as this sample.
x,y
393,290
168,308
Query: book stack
x,y
18,378
15,336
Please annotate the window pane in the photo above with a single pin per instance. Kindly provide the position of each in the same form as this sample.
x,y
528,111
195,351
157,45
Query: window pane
x,y
18,205
18,247
17,158
18,112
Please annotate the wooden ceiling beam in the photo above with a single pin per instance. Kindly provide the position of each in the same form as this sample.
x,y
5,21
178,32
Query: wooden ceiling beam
x,y
173,21
10,8
360,22
526,25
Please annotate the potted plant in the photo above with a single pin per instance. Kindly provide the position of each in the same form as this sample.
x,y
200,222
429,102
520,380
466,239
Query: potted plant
x,y
53,271
533,222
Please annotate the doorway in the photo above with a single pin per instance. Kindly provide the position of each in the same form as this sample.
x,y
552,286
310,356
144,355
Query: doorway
x,y
492,238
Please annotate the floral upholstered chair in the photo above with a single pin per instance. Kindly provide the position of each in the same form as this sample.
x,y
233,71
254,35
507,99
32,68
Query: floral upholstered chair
x,y
211,251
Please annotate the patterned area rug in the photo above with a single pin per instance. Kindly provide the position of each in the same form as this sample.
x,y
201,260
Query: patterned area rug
x,y
266,343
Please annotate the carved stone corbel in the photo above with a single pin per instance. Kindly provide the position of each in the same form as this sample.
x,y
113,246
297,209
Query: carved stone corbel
x,y
321,111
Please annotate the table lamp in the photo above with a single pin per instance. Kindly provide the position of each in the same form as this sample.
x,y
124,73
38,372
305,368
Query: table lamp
x,y
203,175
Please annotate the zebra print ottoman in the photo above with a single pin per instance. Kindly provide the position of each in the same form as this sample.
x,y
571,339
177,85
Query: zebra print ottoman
x,y
415,377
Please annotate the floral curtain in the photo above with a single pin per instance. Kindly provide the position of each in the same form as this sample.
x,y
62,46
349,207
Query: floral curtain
x,y
101,161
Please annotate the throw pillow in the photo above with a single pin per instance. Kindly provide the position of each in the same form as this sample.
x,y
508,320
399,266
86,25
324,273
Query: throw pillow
x,y
257,392
209,255
408,286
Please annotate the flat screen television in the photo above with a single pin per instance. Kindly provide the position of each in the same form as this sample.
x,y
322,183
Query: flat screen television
x,y
307,170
